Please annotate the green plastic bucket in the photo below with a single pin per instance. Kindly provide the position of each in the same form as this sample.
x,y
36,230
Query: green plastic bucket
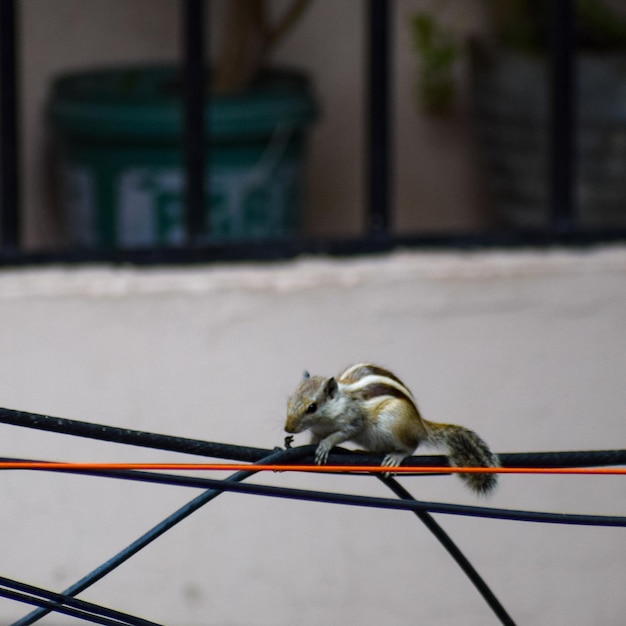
x,y
120,160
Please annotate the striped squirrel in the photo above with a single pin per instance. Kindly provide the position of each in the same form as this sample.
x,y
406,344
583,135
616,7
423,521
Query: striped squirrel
x,y
370,406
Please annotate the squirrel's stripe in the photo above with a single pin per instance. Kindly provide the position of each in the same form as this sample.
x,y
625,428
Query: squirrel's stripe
x,y
380,391
360,370
370,387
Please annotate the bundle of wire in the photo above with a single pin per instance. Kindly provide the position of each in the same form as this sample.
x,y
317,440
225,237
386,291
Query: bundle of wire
x,y
247,461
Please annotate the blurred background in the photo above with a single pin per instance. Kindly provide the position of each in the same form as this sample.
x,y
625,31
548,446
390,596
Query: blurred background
x,y
469,118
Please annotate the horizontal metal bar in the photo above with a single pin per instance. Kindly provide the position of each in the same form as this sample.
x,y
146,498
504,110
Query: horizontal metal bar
x,y
276,250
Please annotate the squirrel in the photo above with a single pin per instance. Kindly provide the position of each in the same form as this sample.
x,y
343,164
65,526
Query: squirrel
x,y
371,406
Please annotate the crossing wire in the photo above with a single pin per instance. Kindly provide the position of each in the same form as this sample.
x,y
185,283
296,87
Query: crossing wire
x,y
325,496
29,594
291,458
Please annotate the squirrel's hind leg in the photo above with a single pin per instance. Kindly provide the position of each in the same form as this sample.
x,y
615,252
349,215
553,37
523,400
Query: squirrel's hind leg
x,y
393,459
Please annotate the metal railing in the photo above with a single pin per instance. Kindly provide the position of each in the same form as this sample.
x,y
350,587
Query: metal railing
x,y
562,227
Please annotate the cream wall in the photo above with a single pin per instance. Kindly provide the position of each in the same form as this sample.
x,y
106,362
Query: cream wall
x,y
528,348
435,182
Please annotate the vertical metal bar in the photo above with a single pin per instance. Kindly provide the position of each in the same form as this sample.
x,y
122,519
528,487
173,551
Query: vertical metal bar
x,y
562,116
9,150
378,117
194,82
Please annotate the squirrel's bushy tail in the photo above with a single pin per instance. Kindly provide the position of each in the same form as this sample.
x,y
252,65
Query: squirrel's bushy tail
x,y
465,448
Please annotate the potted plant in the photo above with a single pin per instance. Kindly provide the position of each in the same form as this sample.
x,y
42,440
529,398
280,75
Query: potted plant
x,y
509,95
118,135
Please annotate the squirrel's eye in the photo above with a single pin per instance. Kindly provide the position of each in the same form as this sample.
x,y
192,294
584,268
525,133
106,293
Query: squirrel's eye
x,y
311,408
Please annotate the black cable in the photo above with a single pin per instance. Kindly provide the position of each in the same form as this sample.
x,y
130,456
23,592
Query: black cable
x,y
454,551
148,537
430,523
51,606
127,436
578,458
246,454
59,603
405,505
220,485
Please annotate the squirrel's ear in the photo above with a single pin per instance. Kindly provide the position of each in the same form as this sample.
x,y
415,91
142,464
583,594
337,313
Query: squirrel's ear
x,y
306,374
330,387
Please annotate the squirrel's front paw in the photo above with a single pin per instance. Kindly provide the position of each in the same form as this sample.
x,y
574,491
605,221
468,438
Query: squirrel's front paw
x,y
321,454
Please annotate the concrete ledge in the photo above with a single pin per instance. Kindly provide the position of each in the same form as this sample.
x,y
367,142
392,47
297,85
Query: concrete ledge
x,y
306,273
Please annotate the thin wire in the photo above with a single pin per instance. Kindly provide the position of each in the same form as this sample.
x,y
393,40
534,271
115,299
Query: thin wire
x,y
220,485
430,523
433,507
339,459
59,603
143,541
323,469
454,551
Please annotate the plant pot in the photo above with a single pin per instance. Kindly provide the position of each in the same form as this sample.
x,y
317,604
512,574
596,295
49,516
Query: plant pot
x,y
510,96
120,161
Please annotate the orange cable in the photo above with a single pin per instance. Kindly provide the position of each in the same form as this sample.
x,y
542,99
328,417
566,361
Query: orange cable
x,y
233,467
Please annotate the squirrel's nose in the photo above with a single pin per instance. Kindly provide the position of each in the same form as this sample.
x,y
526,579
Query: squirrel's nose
x,y
291,426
